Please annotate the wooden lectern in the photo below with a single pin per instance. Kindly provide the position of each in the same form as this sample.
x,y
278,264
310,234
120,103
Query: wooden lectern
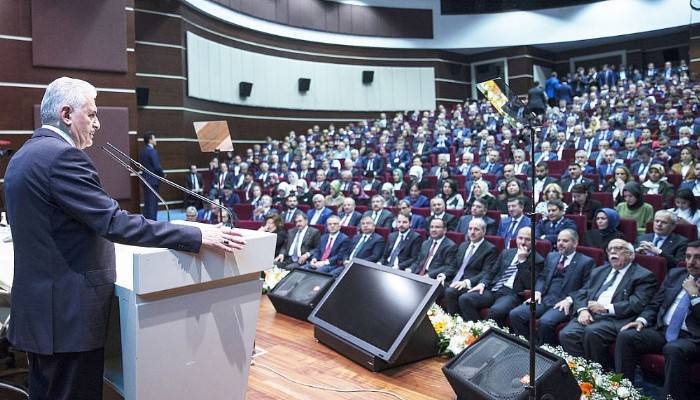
x,y
185,325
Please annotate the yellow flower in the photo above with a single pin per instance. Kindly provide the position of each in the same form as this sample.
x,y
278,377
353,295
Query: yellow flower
x,y
439,326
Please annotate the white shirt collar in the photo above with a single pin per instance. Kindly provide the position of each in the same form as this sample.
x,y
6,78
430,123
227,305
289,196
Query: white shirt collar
x,y
477,244
62,134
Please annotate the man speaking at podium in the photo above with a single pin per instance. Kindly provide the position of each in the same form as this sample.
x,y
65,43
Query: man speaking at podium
x,y
63,225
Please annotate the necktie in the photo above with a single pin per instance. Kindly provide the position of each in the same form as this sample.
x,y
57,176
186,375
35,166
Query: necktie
x,y
327,251
429,258
657,240
560,265
396,249
358,247
288,217
606,285
512,268
293,249
609,170
677,319
346,220
467,255
221,180
375,217
509,234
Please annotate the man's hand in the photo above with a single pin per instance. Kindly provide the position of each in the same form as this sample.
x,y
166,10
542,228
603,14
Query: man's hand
x,y
522,253
478,288
538,298
222,238
459,285
691,286
563,306
279,258
596,308
634,324
585,318
303,258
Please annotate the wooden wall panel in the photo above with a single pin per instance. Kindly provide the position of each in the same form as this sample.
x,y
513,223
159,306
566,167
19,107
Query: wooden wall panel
x,y
15,18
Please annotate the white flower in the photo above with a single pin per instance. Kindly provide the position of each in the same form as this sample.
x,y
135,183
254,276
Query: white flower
x,y
623,392
457,344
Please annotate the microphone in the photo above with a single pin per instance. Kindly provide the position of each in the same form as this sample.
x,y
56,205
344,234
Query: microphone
x,y
160,178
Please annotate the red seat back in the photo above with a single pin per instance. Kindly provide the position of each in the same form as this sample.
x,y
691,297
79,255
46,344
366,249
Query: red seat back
x,y
383,231
247,224
243,211
497,241
628,227
656,201
349,230
581,223
455,237
598,255
605,198
656,264
424,211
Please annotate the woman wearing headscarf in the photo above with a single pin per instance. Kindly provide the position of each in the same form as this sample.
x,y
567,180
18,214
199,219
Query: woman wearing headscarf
x,y
604,229
480,190
656,183
634,206
397,180
358,193
387,192
335,196
416,175
303,193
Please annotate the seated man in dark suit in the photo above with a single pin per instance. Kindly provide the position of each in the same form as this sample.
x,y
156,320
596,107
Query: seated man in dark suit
x,y
302,239
347,214
380,216
437,211
669,324
663,242
332,249
565,272
500,287
209,214
613,296
403,245
575,177
472,258
416,221
195,183
436,253
291,204
366,244
478,210
548,229
515,221
319,213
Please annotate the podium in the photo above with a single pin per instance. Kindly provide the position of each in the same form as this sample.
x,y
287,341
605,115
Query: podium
x,y
183,324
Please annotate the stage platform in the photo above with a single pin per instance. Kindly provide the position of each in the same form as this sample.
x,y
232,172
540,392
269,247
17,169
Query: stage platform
x,y
289,347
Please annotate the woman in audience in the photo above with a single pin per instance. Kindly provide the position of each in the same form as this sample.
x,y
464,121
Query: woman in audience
x,y
634,206
687,208
551,192
255,197
387,191
604,229
656,183
686,167
416,176
513,189
335,196
453,200
480,190
583,204
616,184
273,224
397,180
415,197
358,193
445,174
303,193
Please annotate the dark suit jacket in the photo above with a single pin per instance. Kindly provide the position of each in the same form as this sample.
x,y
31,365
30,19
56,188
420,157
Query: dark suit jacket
x,y
418,222
339,250
228,180
565,182
631,296
450,220
188,181
482,259
655,311
308,243
408,249
372,250
385,218
425,151
463,225
291,214
505,224
545,230
63,226
442,258
325,213
149,159
522,277
575,274
672,249
354,219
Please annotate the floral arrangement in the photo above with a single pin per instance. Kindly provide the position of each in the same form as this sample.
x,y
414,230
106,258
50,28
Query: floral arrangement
x,y
455,335
272,277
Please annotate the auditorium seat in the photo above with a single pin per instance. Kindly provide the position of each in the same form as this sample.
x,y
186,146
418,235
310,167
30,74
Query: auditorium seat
x,y
349,230
654,364
361,209
605,198
429,193
383,231
556,168
458,213
496,215
248,224
628,227
460,179
656,201
497,241
243,211
595,178
656,264
491,179
674,179
598,255
305,208
581,222
455,237
424,211
689,231
321,228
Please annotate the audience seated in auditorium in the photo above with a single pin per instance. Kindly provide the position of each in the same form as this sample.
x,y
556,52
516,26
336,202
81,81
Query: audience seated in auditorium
x,y
264,208
437,211
335,195
348,215
403,245
663,242
616,183
687,208
613,296
478,209
604,229
319,213
436,253
301,240
191,214
656,183
209,214
634,206
686,166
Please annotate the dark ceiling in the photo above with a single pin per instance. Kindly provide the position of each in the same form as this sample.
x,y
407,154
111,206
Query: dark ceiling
x,y
455,7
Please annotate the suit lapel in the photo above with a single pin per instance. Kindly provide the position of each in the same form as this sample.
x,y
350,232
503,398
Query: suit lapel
x,y
622,286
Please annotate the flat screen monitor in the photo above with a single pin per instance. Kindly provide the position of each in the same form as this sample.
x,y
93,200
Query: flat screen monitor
x,y
375,308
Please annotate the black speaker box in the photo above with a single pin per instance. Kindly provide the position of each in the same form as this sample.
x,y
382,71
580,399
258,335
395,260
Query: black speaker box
x,y
244,89
496,366
304,84
142,96
367,77
298,293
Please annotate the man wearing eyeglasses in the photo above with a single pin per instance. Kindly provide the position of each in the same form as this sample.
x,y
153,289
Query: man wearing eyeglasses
x,y
670,324
613,296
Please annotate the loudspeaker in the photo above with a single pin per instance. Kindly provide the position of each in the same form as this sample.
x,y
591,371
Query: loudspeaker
x,y
298,293
496,366
244,89
367,77
142,96
304,84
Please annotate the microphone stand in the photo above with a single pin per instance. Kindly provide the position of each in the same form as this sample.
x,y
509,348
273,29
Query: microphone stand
x,y
166,181
143,180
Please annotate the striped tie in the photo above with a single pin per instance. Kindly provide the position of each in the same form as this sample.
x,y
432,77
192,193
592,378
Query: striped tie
x,y
512,268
